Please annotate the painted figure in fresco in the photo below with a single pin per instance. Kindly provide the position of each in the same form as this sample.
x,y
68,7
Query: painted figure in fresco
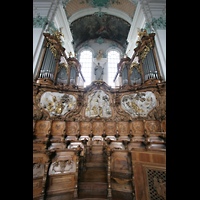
x,y
98,71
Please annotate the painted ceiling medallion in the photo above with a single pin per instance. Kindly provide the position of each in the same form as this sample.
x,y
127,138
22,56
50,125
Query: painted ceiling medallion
x,y
139,104
57,104
98,105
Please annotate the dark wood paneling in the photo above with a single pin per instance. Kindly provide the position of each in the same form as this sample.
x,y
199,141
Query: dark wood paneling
x,y
123,128
85,128
72,128
97,128
110,128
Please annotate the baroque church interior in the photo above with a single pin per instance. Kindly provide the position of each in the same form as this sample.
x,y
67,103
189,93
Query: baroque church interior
x,y
99,99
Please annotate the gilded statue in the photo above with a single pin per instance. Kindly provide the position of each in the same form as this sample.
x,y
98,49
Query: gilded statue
x,y
134,106
59,108
99,54
100,111
94,109
57,34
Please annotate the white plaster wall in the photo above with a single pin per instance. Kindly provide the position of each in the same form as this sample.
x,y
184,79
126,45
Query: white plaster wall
x,y
38,39
138,22
54,12
62,22
160,41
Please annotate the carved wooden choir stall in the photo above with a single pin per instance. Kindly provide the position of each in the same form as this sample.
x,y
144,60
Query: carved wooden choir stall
x,y
99,142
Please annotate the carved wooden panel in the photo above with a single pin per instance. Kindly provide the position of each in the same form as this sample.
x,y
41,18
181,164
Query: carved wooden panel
x,y
97,128
42,127
120,162
163,125
37,147
60,183
72,128
62,166
152,126
155,179
38,170
85,128
149,174
116,145
33,125
137,127
153,157
123,187
110,128
40,158
58,128
39,162
37,187
62,172
123,128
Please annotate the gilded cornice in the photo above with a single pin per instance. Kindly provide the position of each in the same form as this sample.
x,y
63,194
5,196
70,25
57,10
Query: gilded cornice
x,y
54,44
75,63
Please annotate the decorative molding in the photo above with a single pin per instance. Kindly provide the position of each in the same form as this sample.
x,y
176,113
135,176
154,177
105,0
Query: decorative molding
x,y
39,22
159,23
110,11
100,40
155,24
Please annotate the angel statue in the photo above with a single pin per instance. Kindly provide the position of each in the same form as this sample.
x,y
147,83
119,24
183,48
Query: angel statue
x,y
98,71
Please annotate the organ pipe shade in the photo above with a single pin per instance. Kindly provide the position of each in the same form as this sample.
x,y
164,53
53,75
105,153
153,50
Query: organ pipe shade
x,y
48,65
149,66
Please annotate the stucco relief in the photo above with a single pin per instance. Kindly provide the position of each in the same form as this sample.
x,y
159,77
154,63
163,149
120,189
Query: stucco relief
x,y
139,104
57,104
98,105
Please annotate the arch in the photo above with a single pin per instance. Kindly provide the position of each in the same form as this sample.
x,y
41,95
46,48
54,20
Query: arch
x,y
110,11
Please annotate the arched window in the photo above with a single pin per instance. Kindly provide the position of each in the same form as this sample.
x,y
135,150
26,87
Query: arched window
x,y
113,60
86,63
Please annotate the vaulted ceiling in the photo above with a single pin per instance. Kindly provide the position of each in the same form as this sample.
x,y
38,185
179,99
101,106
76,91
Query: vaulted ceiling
x,y
106,27
107,19
76,5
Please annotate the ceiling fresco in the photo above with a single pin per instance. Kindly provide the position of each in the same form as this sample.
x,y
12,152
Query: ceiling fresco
x,y
92,27
73,6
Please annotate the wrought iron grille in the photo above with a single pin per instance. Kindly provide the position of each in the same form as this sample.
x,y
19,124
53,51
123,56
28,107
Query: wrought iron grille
x,y
156,183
